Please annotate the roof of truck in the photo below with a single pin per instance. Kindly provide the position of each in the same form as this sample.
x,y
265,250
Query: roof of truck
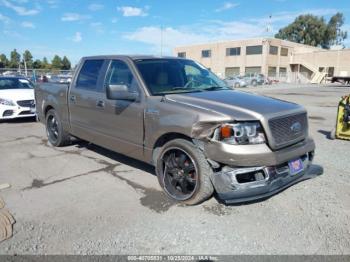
x,y
132,57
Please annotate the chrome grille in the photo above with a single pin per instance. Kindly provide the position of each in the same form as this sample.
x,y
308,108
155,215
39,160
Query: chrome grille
x,y
26,103
282,130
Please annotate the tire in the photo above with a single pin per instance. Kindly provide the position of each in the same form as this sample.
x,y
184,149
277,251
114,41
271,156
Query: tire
x,y
254,83
56,134
237,85
203,188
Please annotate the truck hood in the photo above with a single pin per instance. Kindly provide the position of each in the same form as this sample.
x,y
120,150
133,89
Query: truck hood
x,y
17,94
237,105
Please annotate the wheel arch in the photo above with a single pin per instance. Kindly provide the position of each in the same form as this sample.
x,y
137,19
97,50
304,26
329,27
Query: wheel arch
x,y
47,108
163,139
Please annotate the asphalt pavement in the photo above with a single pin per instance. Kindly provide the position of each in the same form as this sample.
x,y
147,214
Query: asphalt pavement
x,y
83,199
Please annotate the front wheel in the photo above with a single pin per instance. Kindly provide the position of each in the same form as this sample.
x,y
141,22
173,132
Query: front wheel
x,y
56,135
183,172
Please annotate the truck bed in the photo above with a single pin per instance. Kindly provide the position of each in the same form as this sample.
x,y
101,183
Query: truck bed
x,y
341,79
51,94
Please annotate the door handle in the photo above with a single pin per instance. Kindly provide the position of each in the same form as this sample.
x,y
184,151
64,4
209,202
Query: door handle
x,y
73,98
100,103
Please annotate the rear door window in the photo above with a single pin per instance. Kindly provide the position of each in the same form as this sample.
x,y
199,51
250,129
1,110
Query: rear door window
x,y
88,75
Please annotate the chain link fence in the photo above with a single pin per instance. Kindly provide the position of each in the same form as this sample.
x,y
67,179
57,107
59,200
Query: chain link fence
x,y
40,75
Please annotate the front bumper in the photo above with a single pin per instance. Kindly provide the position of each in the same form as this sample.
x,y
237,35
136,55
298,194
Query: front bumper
x,y
270,180
11,112
255,155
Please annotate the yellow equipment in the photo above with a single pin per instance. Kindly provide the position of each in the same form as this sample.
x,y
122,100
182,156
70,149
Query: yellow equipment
x,y
342,129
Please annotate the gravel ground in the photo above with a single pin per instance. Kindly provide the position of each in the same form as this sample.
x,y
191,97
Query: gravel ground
x,y
83,199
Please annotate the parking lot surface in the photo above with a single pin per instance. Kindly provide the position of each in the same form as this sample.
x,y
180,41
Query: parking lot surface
x,y
83,199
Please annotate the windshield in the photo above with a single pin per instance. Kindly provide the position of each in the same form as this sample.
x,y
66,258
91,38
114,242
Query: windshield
x,y
15,83
171,76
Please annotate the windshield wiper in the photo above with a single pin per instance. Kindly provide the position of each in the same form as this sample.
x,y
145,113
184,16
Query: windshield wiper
x,y
179,88
180,91
214,88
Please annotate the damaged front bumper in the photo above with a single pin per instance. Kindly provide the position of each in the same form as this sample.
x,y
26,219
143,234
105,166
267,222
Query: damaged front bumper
x,y
237,185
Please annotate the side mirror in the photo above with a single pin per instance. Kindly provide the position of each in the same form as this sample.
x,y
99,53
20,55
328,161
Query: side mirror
x,y
121,92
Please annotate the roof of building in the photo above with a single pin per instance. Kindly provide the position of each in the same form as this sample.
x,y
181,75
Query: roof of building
x,y
284,42
132,57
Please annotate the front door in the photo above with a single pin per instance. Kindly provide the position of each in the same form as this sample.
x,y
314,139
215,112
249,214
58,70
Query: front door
x,y
120,122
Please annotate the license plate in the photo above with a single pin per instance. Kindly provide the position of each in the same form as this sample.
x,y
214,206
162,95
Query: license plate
x,y
295,166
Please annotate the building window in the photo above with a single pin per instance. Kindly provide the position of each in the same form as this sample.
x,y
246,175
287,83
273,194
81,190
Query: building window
x,y
283,71
330,71
273,50
252,70
233,51
206,53
272,71
254,50
284,51
181,54
232,71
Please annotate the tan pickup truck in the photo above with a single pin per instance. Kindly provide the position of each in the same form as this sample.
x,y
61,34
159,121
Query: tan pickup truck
x,y
173,113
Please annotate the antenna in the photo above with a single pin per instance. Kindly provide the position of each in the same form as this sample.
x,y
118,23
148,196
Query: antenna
x,y
268,27
161,40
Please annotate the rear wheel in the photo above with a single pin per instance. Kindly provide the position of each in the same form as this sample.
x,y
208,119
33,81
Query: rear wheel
x,y
237,85
56,135
254,83
183,172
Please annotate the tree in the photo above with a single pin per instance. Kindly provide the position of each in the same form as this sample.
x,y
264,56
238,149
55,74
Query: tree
x,y
28,58
313,30
66,65
15,59
56,62
334,32
4,62
37,64
45,64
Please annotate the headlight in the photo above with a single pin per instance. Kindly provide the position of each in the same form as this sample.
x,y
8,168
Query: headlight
x,y
6,102
241,133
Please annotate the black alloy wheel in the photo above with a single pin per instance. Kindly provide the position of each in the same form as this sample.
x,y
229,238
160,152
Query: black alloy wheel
x,y
180,174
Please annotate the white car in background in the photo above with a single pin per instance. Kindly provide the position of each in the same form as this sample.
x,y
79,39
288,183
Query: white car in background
x,y
236,81
16,98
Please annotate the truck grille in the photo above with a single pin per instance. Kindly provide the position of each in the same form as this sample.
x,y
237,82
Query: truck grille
x,y
288,130
26,103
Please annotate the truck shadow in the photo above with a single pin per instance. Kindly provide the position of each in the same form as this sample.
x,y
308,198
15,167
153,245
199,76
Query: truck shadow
x,y
116,156
19,120
152,198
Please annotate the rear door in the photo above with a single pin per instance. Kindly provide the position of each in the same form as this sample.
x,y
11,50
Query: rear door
x,y
83,95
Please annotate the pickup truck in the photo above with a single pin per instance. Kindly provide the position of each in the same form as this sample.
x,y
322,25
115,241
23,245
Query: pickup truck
x,y
175,114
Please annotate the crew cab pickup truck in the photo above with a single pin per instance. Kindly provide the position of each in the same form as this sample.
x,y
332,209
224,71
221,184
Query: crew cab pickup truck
x,y
173,113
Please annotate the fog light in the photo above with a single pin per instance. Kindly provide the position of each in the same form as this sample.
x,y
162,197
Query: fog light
x,y
7,113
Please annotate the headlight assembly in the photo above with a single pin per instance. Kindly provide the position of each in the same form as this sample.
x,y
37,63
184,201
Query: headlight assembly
x,y
6,102
240,133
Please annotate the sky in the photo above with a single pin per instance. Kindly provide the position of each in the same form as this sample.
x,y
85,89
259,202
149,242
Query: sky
x,y
77,28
